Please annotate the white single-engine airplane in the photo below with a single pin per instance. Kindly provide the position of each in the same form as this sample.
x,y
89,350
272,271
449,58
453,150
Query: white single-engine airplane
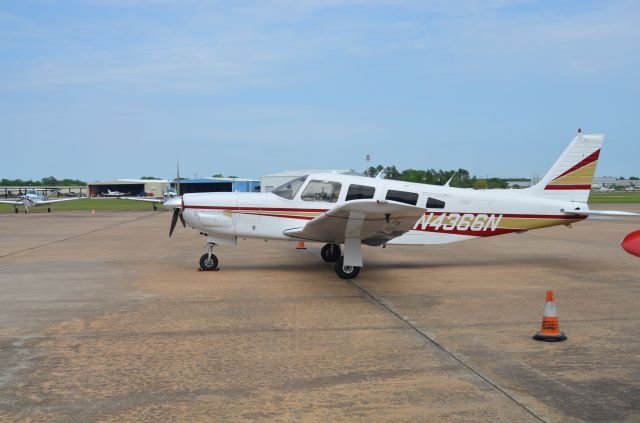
x,y
168,194
353,210
33,198
110,193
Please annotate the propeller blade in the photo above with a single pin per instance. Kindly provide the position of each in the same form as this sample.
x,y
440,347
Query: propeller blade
x,y
174,220
184,225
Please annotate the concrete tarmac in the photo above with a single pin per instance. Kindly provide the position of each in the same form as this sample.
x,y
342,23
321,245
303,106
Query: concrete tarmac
x,y
104,318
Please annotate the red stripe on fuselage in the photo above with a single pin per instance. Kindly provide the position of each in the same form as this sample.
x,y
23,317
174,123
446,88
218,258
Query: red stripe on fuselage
x,y
469,232
252,208
283,216
522,216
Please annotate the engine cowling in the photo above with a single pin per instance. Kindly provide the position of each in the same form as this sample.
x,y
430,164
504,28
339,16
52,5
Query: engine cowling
x,y
631,243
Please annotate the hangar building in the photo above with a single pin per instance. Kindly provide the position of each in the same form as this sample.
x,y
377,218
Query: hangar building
x,y
152,187
269,182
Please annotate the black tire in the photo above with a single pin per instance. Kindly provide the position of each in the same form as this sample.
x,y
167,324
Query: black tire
x,y
206,264
15,210
330,253
346,272
48,209
155,208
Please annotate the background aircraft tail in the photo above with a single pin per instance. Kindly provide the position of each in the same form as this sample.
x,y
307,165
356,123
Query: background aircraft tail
x,y
571,176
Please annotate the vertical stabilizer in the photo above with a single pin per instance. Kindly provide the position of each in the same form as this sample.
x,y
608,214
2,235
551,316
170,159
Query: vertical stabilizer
x,y
571,176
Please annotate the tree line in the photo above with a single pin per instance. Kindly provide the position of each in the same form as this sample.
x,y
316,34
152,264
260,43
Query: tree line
x,y
461,177
44,182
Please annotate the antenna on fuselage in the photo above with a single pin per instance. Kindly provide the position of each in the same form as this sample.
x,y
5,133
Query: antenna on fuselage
x,y
178,176
446,184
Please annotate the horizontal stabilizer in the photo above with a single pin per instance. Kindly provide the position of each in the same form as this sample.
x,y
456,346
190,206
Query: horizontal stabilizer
x,y
601,213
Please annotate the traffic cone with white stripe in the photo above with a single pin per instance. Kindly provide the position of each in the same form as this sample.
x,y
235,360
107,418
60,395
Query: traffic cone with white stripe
x,y
550,330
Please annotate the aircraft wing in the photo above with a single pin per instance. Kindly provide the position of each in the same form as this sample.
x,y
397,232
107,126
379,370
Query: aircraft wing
x,y
59,200
19,203
374,222
147,199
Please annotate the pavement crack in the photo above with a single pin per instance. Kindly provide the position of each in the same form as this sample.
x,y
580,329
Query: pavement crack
x,y
56,241
438,345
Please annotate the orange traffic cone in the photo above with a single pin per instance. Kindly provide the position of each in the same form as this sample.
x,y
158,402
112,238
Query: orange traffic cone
x,y
550,330
301,246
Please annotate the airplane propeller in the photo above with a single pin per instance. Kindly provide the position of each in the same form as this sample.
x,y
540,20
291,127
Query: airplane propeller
x,y
176,203
174,220
177,213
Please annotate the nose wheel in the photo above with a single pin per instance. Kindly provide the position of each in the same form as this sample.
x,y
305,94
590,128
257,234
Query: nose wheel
x,y
330,253
209,261
346,272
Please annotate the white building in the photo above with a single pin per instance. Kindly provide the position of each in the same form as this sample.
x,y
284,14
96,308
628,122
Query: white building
x,y
269,182
598,182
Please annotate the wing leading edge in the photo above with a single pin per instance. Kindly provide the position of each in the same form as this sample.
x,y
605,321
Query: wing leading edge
x,y
373,222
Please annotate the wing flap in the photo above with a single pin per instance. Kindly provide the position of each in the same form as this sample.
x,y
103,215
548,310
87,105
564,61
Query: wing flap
x,y
374,222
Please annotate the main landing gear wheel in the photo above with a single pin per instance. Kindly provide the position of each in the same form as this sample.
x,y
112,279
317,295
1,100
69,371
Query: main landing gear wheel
x,y
346,272
208,262
330,253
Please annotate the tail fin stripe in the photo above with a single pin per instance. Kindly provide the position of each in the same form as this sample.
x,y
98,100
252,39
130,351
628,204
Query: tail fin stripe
x,y
571,187
587,160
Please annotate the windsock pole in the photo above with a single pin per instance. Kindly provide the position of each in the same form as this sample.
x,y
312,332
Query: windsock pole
x,y
550,329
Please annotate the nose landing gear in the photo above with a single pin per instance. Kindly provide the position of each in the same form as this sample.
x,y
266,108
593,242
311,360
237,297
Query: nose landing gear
x,y
209,261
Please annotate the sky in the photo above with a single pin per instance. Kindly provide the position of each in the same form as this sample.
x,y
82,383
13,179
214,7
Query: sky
x,y
102,89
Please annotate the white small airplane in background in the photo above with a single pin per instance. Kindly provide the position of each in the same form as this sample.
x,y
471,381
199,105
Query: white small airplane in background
x,y
338,209
33,198
168,194
605,189
110,193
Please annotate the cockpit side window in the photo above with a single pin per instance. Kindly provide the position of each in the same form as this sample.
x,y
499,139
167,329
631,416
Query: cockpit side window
x,y
290,189
434,203
360,192
323,191
403,197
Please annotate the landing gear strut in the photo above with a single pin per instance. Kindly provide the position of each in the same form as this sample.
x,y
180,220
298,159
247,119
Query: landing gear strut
x,y
209,261
330,253
346,272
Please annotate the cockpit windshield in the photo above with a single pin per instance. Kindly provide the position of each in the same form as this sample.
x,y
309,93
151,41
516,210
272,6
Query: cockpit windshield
x,y
290,189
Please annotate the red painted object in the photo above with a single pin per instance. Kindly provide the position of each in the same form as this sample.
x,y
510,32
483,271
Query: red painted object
x,y
631,243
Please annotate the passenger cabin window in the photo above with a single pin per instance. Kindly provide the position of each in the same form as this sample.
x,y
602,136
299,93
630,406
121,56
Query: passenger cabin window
x,y
323,191
403,197
434,203
290,189
360,192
